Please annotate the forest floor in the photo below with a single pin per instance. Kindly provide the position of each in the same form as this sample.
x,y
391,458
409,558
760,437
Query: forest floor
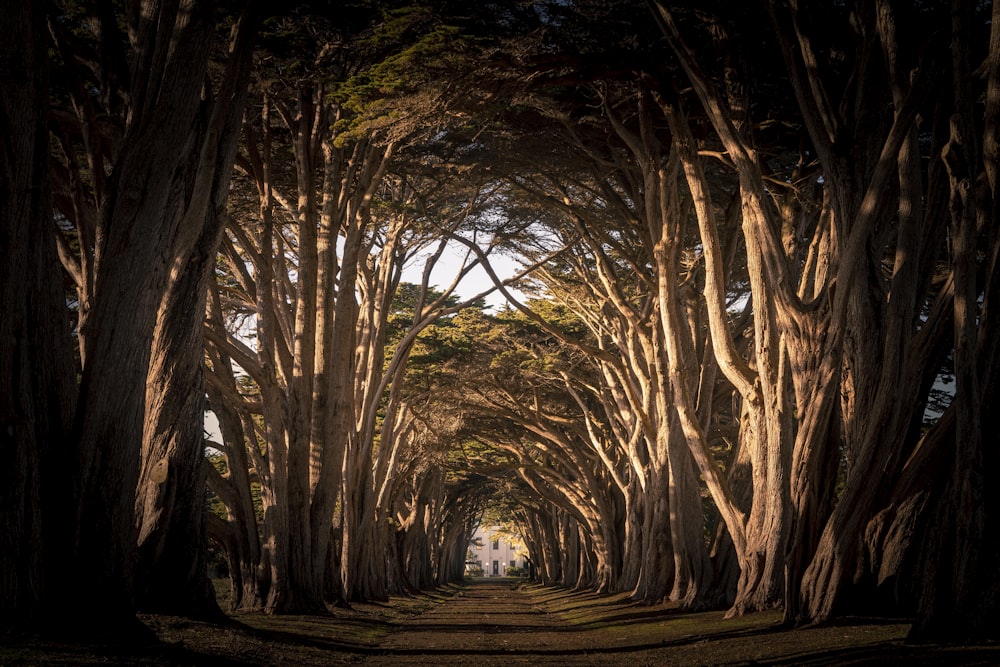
x,y
505,622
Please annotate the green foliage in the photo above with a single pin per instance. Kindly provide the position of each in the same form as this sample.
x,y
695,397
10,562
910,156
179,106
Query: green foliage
x,y
384,65
440,346
415,45
411,53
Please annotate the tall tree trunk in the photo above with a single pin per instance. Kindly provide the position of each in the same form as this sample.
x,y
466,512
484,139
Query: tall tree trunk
x,y
875,320
170,508
36,370
171,571
963,602
656,575
758,537
693,585
304,586
631,539
240,532
136,232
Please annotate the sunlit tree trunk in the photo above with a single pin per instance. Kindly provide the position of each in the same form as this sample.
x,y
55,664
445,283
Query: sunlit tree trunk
x,y
302,590
779,324
170,506
419,511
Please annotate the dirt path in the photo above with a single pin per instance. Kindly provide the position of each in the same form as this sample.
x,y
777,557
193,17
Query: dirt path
x,y
484,624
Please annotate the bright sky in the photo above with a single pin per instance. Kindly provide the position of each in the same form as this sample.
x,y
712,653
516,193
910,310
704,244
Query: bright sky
x,y
475,282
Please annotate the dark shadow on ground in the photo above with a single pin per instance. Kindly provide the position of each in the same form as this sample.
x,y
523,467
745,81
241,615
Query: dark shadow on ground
x,y
458,625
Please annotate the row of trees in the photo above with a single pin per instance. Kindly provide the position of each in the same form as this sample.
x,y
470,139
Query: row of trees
x,y
770,296
118,153
752,263
233,237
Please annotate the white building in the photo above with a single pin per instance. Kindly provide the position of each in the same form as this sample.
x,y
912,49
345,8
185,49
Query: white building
x,y
495,552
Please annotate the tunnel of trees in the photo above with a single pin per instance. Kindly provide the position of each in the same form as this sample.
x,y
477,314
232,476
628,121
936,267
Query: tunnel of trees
x,y
747,358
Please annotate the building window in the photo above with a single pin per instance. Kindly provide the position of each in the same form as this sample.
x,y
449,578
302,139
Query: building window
x,y
513,564
496,545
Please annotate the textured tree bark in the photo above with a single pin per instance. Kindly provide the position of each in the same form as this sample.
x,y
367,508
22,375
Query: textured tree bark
x,y
882,364
303,584
962,602
172,572
657,564
171,569
683,429
36,370
136,233
758,537
693,586
345,449
801,335
630,539
413,535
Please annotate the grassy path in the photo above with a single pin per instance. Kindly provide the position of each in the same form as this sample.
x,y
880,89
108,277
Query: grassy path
x,y
491,623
